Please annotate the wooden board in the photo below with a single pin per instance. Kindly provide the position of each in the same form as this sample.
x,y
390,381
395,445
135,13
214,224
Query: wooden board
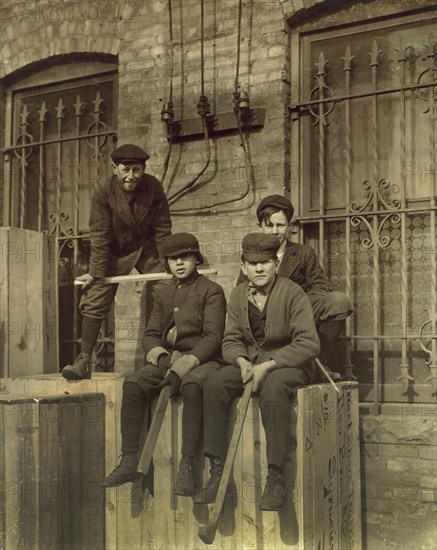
x,y
129,508
48,502
322,509
28,303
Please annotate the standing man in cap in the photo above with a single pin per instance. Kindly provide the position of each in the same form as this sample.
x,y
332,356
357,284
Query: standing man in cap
x,y
299,263
270,337
129,219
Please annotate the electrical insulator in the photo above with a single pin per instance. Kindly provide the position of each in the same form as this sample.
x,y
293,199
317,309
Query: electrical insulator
x,y
203,107
243,100
167,113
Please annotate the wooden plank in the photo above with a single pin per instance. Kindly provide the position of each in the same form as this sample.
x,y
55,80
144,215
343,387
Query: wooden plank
x,y
92,470
20,499
305,465
110,384
164,500
50,311
28,345
143,277
4,304
325,471
44,502
16,314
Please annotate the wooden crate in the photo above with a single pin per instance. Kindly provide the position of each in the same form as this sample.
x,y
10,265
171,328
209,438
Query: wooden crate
x,y
129,508
28,303
322,508
52,451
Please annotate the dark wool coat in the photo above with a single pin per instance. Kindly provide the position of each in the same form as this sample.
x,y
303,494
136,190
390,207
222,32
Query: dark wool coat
x,y
290,333
197,306
120,239
300,265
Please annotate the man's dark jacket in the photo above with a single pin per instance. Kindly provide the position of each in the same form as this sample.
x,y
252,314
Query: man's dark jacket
x,y
122,239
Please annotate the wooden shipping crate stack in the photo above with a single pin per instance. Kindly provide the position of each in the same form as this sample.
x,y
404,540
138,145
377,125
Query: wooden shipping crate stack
x,y
52,451
323,498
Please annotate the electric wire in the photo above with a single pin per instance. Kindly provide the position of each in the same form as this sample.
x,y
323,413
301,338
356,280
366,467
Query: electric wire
x,y
247,161
170,95
203,111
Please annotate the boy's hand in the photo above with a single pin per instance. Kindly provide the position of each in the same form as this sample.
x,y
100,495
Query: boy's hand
x,y
163,363
259,372
245,369
186,362
173,380
87,280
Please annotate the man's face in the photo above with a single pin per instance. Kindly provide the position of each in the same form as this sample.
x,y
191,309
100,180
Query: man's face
x,y
260,274
182,266
277,225
129,174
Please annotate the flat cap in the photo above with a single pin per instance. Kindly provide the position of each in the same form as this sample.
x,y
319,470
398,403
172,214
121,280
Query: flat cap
x,y
259,247
129,152
279,201
181,243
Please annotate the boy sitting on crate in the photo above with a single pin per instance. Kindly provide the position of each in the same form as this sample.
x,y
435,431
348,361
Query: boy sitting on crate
x,y
182,342
270,337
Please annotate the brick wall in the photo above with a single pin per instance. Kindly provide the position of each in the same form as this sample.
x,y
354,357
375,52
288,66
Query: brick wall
x,y
398,477
138,32
397,464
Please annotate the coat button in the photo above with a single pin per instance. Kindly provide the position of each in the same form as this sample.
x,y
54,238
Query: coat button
x,y
176,309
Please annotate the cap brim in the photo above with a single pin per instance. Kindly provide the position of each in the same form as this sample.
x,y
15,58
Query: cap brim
x,y
258,257
175,253
124,161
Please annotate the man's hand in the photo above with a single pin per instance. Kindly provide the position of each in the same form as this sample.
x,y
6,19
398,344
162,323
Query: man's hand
x,y
259,372
245,369
173,380
87,280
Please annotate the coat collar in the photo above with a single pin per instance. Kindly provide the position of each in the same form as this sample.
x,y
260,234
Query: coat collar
x,y
119,203
289,261
188,281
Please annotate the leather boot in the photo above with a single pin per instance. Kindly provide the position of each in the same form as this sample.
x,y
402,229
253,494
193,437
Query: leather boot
x,y
184,485
80,370
209,492
329,332
126,471
274,491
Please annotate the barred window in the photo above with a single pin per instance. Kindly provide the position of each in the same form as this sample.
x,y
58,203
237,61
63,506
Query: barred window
x,y
61,127
364,119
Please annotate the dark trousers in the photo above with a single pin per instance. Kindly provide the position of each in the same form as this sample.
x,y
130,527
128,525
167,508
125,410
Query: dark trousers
x,y
141,386
276,396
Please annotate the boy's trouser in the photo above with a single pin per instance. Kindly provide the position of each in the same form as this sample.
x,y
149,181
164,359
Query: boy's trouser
x,y
333,305
276,397
140,386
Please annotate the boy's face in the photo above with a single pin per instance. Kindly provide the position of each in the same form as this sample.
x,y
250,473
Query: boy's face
x,y
182,266
277,226
129,174
260,274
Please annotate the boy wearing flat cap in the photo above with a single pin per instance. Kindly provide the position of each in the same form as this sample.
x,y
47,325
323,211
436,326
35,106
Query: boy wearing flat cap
x,y
182,342
129,219
270,337
299,263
